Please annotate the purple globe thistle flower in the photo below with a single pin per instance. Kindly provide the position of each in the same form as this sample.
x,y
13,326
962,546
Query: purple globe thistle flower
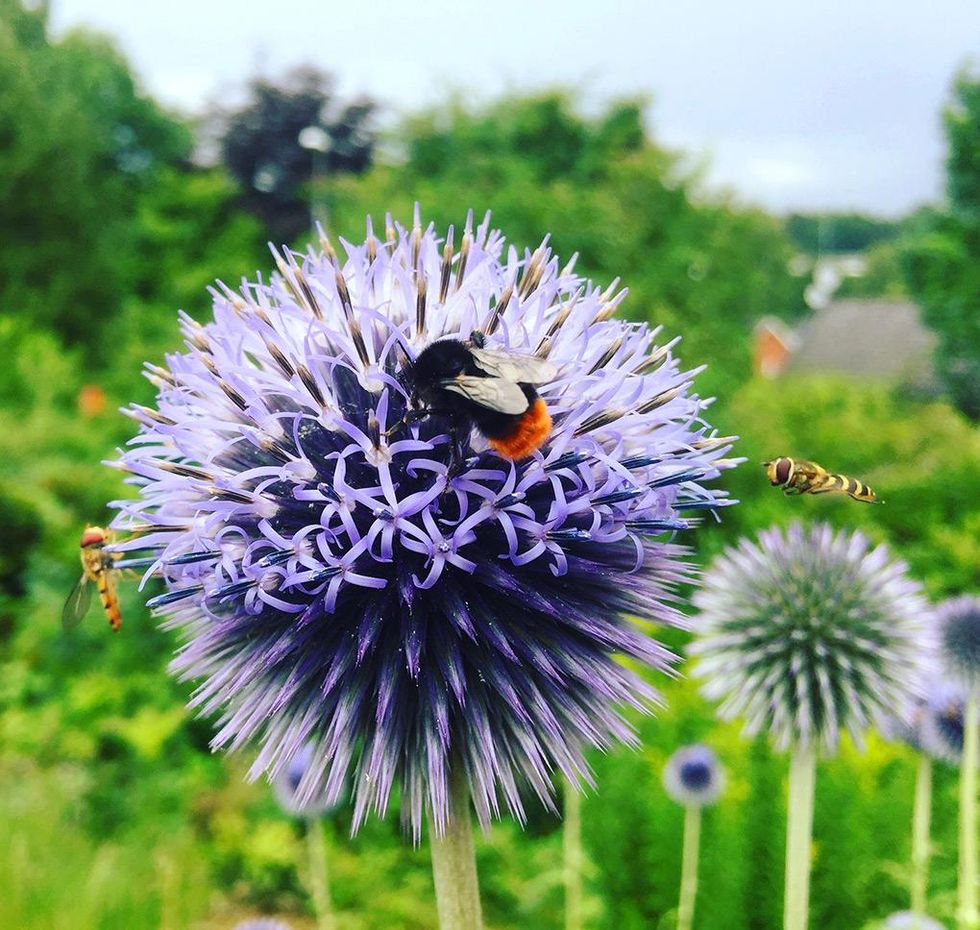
x,y
287,786
958,637
341,576
807,632
942,729
693,776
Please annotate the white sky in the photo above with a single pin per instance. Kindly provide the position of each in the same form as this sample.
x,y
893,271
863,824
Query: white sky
x,y
794,105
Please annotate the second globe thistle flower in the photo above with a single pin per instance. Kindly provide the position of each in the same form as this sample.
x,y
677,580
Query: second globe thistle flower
x,y
809,632
806,633
340,578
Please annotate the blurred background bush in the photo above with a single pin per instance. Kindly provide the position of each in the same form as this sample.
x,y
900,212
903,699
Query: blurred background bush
x,y
113,812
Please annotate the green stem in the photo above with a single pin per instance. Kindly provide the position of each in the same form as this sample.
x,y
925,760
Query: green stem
x,y
799,837
316,846
689,866
921,810
572,848
967,917
454,864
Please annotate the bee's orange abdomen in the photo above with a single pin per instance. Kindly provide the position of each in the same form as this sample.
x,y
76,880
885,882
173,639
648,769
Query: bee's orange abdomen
x,y
530,433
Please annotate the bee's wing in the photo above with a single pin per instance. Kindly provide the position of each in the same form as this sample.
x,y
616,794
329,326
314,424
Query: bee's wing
x,y
492,393
511,367
77,604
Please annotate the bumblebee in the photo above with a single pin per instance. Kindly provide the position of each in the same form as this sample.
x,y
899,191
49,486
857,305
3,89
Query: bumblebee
x,y
98,566
796,476
474,387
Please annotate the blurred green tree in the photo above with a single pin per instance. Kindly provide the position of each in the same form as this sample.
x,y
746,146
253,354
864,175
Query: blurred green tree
x,y
943,266
261,146
80,144
832,233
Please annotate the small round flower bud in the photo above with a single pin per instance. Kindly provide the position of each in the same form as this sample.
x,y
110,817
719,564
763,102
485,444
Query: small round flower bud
x,y
693,776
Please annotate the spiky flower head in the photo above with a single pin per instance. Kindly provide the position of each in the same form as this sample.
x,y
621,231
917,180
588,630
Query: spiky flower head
x,y
807,632
342,577
287,787
942,727
958,638
693,776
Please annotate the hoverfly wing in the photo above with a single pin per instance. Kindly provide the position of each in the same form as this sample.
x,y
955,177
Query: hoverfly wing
x,y
77,604
511,367
492,393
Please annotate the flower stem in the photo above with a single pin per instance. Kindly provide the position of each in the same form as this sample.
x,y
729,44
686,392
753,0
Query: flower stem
x,y
316,847
799,834
572,848
967,917
454,864
921,811
689,866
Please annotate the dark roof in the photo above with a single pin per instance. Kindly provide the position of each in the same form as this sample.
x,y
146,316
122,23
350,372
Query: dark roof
x,y
882,339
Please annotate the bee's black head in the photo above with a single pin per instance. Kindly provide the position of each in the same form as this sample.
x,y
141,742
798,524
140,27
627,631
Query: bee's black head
x,y
438,361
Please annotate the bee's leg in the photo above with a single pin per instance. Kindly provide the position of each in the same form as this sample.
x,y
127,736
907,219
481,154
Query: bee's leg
x,y
456,451
459,440
412,416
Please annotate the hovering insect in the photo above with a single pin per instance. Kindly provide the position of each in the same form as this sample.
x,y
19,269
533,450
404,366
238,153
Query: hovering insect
x,y
491,391
796,476
97,566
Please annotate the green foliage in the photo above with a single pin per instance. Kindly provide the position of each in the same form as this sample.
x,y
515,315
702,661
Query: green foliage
x,y
65,221
943,264
839,232
962,123
883,277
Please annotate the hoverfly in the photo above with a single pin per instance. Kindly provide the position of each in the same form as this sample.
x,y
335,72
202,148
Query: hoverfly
x,y
493,392
98,566
796,476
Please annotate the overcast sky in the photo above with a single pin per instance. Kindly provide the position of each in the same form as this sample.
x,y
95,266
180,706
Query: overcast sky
x,y
831,105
